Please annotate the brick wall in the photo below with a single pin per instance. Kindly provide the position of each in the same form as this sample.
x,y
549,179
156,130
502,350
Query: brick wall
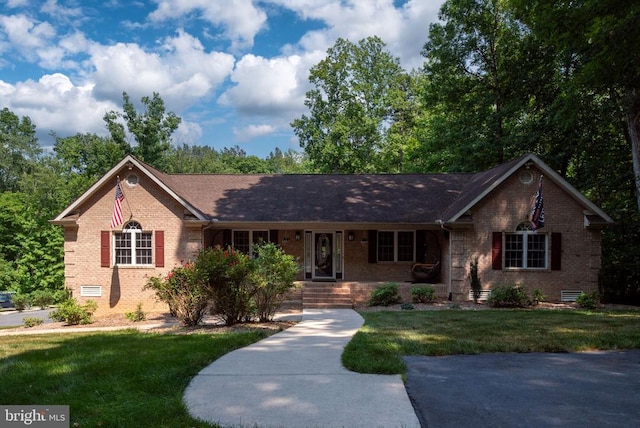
x,y
122,286
503,211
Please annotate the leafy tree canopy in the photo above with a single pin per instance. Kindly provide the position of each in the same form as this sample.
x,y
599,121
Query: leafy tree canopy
x,y
152,129
18,148
351,106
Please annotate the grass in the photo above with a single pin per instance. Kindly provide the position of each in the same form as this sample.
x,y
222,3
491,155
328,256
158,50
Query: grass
x,y
125,379
388,335
130,378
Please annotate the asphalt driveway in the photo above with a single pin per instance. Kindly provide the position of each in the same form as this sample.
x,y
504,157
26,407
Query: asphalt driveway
x,y
14,318
594,389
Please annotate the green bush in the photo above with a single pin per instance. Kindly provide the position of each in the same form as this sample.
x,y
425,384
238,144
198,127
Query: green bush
x,y
32,321
20,301
60,296
229,279
42,298
184,290
385,295
474,278
508,296
137,315
73,313
589,300
275,275
537,297
424,294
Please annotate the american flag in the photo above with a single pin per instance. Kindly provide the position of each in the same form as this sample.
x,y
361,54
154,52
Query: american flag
x,y
116,217
537,210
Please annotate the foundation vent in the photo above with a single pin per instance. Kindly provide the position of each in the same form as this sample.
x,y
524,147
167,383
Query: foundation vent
x,y
570,295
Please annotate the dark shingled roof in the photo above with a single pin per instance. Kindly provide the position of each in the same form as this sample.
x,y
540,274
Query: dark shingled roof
x,y
334,198
366,198
477,185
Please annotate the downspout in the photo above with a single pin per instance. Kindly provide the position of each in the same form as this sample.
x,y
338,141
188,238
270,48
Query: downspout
x,y
212,223
449,280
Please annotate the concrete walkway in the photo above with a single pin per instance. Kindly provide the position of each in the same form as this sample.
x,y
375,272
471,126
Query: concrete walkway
x,y
296,379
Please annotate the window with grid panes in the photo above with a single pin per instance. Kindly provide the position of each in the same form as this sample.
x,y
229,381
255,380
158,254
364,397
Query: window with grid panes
x,y
244,239
385,247
525,249
133,246
396,246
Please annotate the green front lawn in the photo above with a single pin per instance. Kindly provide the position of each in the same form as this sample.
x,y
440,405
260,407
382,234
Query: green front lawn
x,y
386,336
124,379
135,379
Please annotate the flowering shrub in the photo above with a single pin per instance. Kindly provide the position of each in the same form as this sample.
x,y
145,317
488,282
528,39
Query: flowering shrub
x,y
229,279
239,288
183,289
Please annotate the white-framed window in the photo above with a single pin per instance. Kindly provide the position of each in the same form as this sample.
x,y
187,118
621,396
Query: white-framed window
x,y
133,246
526,248
396,246
243,240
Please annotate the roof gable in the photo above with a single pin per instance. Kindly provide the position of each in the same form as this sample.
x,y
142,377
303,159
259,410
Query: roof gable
x,y
128,162
485,182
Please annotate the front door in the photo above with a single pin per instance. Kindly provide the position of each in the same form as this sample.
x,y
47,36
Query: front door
x,y
323,256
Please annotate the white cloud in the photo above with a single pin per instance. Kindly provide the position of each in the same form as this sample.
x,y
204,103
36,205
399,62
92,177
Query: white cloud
x,y
266,86
266,92
54,104
17,3
55,10
277,86
240,19
187,133
252,131
404,29
181,72
27,35
76,43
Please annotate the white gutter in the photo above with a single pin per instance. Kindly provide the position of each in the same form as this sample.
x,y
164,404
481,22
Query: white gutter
x,y
449,285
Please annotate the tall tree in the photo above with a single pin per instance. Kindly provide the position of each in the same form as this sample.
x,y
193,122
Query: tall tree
x,y
18,148
152,129
31,249
482,71
350,106
82,159
601,36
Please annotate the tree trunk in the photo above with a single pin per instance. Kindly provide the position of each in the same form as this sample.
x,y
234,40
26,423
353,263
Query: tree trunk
x,y
633,122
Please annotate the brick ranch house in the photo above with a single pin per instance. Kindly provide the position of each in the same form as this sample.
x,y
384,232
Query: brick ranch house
x,y
350,232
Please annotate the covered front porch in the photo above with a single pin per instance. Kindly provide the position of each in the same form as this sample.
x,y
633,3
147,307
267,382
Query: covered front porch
x,y
336,253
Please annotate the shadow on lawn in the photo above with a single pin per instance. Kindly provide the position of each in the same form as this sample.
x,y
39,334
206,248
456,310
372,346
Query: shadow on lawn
x,y
125,378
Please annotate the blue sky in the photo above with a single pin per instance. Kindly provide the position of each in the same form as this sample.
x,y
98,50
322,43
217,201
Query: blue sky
x,y
236,71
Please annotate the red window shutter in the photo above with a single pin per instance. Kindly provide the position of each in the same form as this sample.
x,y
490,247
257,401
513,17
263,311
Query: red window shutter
x,y
105,248
159,234
556,251
496,251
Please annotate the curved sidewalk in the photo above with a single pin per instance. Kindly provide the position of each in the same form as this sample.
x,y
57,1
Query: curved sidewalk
x,y
296,379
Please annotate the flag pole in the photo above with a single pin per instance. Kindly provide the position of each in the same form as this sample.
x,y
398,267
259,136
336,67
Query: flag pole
x,y
126,199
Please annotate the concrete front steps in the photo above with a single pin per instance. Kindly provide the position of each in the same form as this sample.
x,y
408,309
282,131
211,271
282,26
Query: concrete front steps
x,y
326,295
